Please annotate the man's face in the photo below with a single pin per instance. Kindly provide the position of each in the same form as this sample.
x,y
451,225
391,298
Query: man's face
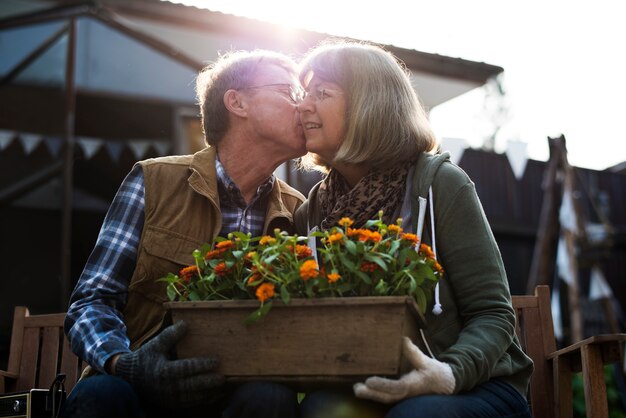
x,y
273,113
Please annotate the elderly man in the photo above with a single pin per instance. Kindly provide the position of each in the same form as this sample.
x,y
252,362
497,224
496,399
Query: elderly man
x,y
165,208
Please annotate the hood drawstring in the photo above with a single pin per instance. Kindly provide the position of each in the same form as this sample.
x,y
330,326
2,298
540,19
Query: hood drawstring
x,y
421,214
437,309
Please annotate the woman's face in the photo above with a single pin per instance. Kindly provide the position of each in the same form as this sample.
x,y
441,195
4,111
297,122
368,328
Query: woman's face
x,y
323,116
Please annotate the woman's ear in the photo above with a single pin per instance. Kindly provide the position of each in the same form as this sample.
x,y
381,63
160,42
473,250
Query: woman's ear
x,y
235,102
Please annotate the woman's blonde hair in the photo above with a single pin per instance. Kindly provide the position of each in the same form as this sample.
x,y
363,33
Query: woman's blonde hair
x,y
385,121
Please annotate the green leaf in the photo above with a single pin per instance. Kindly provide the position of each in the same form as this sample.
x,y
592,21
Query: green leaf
x,y
371,223
171,293
364,276
193,295
351,247
346,262
269,259
238,254
420,298
376,259
394,247
284,295
258,314
381,288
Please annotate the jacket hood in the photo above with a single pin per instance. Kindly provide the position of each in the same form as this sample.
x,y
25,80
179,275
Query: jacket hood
x,y
425,170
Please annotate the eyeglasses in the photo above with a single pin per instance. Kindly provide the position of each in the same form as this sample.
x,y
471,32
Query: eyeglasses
x,y
319,94
296,94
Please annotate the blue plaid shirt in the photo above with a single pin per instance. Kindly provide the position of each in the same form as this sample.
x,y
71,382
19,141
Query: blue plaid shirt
x,y
94,321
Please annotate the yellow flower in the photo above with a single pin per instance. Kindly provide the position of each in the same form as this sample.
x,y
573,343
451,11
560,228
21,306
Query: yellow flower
x,y
309,270
394,229
265,292
251,255
266,239
336,237
333,277
345,222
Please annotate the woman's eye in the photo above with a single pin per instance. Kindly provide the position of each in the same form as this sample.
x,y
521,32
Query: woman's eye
x,y
321,94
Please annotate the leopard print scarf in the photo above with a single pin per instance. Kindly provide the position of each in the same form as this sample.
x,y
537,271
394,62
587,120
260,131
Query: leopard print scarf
x,y
379,190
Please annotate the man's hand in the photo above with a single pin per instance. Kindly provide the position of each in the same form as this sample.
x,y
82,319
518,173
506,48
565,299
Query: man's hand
x,y
169,383
429,377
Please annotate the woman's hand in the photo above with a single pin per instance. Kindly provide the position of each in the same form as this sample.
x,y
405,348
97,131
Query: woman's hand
x,y
430,376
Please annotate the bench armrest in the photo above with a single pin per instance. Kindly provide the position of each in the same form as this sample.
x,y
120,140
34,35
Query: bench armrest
x,y
589,357
6,377
609,345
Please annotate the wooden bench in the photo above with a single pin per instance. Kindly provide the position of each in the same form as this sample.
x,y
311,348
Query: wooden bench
x,y
551,382
39,351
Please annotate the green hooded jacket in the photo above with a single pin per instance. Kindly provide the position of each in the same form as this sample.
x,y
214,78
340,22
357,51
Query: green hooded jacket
x,y
475,333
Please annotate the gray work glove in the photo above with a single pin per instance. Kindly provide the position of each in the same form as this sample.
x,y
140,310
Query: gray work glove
x,y
169,383
430,376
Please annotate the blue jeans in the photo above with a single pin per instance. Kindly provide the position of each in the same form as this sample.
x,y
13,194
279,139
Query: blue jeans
x,y
105,396
492,399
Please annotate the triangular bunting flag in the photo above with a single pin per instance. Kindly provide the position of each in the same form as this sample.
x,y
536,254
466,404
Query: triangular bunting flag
x,y
54,145
456,146
555,304
30,142
115,149
567,214
6,137
90,146
599,288
139,148
162,147
516,154
563,265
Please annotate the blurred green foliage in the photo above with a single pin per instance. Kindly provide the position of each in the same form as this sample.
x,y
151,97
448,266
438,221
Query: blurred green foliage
x,y
616,408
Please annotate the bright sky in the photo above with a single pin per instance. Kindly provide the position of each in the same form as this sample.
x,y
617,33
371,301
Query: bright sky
x,y
564,62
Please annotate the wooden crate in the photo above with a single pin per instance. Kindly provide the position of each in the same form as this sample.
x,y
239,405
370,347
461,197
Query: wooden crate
x,y
307,341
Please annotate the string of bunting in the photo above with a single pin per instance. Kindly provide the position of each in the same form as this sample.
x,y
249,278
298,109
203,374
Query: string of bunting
x,y
90,146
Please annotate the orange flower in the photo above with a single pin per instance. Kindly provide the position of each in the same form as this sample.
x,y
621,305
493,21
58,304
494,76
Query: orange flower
x,y
353,232
426,251
187,273
368,267
250,255
267,240
303,251
265,292
367,235
438,267
345,222
336,237
221,269
254,279
394,229
412,238
333,277
224,245
309,270
212,254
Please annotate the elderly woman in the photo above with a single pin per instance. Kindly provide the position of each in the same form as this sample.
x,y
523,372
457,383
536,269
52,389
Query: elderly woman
x,y
365,128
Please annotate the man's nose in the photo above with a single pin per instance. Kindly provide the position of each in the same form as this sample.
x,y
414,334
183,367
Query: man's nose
x,y
305,105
